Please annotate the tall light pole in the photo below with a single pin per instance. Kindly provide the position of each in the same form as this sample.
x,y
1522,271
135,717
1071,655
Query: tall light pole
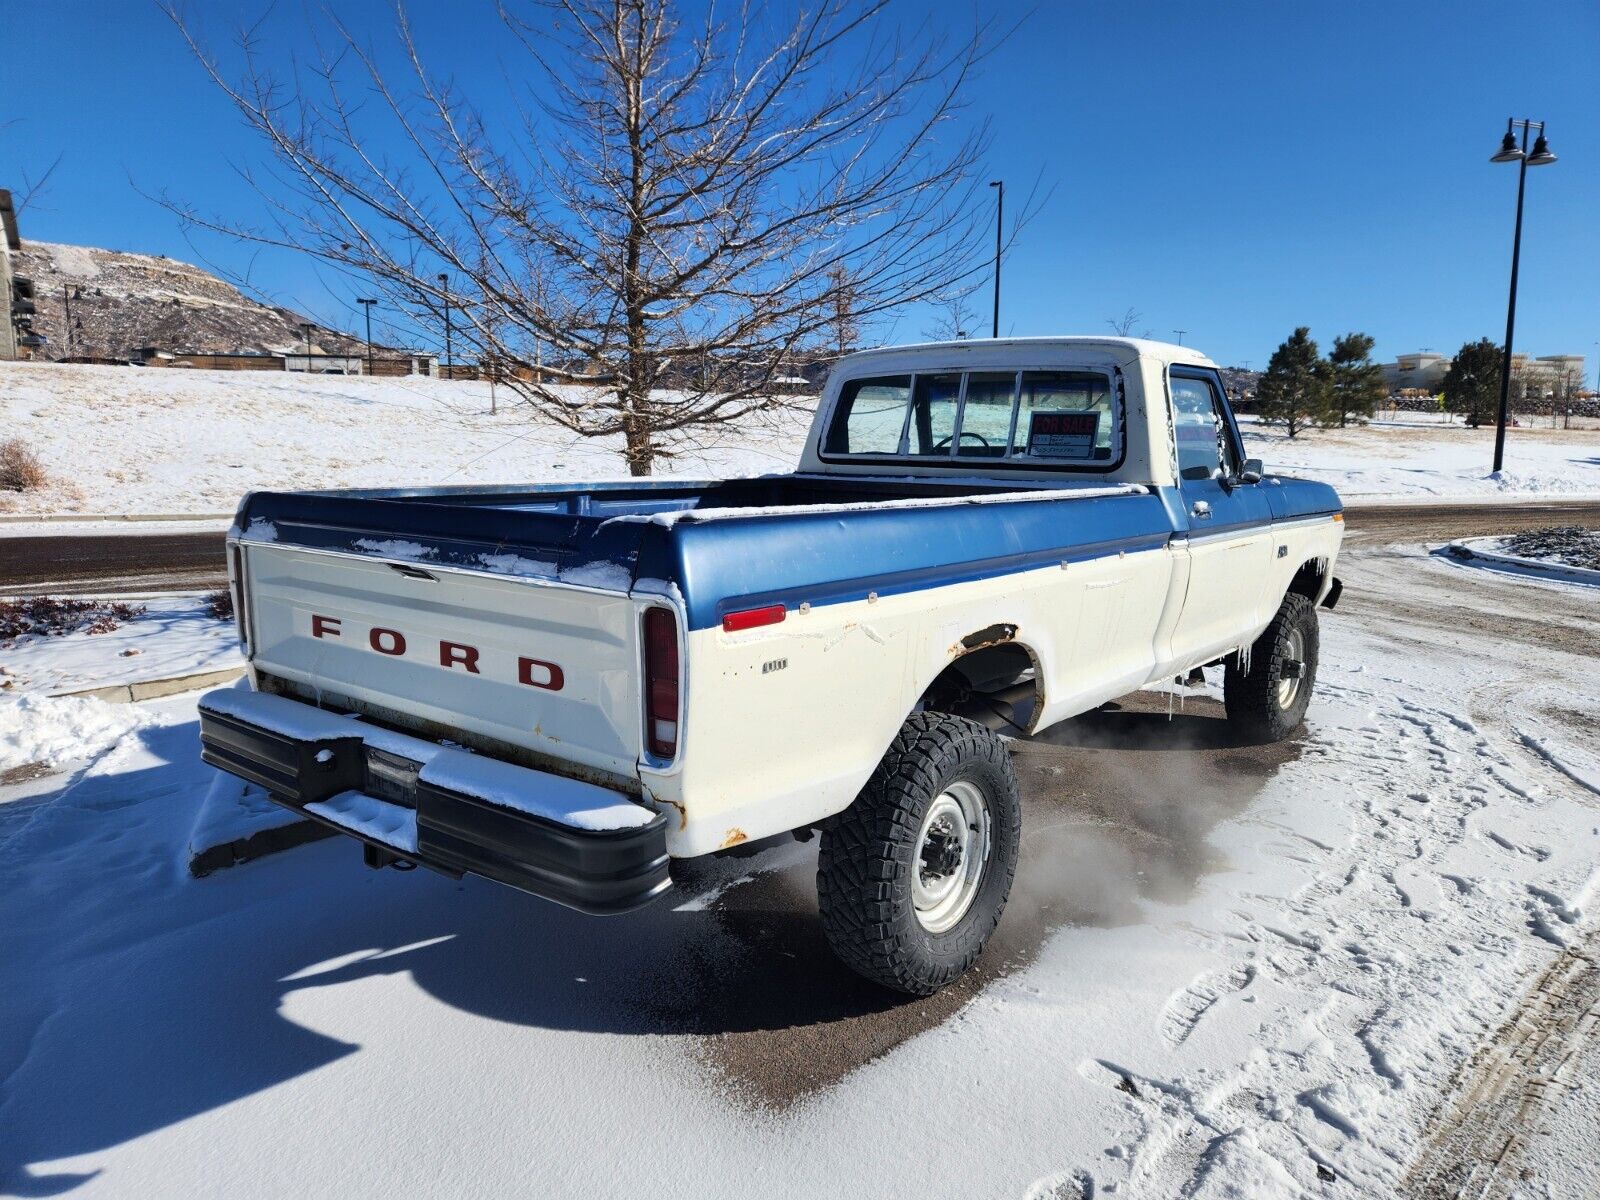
x,y
1180,333
367,304
1539,157
306,328
999,215
449,356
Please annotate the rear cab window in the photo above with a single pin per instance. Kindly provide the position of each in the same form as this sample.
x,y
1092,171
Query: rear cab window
x,y
1029,419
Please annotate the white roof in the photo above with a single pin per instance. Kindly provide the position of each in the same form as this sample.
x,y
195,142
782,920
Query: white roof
x,y
1167,352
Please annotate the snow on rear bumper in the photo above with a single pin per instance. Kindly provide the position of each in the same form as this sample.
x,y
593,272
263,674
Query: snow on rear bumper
x,y
579,844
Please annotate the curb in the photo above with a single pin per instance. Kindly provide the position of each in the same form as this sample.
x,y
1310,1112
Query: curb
x,y
86,518
257,845
153,689
1471,550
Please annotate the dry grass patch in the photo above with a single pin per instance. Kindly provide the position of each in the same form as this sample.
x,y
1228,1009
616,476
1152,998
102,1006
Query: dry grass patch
x,y
20,468
51,616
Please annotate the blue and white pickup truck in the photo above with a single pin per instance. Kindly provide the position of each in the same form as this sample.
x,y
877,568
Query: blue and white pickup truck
x,y
565,688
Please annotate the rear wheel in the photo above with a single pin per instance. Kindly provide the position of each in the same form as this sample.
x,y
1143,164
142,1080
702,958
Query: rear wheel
x,y
1267,690
913,877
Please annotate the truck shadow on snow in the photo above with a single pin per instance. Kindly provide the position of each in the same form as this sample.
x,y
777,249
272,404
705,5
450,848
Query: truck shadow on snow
x,y
183,996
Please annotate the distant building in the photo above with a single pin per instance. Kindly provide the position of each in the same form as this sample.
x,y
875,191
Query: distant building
x,y
1546,375
1549,374
389,362
1424,371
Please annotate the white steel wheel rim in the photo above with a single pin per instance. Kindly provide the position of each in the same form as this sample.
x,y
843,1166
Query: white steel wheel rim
x,y
951,856
1294,649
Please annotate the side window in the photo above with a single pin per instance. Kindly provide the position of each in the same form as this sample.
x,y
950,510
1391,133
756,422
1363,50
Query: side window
x,y
1068,415
1205,451
986,418
933,413
870,415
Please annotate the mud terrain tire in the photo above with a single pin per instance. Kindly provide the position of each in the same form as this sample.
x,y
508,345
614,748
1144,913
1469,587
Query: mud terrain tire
x,y
1268,702
899,903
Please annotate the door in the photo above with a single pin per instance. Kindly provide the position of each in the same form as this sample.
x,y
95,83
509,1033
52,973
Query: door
x,y
1230,523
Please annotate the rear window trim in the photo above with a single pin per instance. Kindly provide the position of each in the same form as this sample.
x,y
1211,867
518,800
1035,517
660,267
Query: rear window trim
x,y
1011,461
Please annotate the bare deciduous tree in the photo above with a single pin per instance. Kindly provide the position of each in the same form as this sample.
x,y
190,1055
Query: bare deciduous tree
x,y
681,209
1124,325
953,317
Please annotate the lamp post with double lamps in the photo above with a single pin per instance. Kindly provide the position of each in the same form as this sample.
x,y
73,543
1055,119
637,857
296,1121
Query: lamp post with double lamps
x,y
1539,156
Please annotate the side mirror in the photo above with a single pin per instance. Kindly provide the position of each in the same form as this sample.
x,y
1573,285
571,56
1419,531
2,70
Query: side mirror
x,y
1252,472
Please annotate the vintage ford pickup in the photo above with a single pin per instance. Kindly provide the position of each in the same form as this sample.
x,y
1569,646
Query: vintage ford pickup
x,y
566,688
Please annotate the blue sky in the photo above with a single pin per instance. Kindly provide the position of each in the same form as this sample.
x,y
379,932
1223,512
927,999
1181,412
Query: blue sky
x,y
1230,170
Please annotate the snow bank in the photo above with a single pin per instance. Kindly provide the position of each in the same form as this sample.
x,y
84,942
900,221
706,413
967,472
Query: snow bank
x,y
56,730
1491,552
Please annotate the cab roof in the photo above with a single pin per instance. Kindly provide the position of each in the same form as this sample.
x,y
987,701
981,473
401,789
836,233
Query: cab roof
x,y
1166,352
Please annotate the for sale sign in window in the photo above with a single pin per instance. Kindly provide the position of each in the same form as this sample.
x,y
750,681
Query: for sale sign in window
x,y
1063,434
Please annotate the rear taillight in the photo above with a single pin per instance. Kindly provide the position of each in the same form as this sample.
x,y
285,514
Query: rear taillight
x,y
661,679
241,617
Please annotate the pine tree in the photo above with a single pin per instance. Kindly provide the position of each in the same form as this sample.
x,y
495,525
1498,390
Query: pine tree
x,y
1358,383
1294,392
1472,385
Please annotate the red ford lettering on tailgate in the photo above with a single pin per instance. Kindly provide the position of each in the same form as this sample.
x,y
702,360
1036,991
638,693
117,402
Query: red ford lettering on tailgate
x,y
534,672
451,653
527,667
387,641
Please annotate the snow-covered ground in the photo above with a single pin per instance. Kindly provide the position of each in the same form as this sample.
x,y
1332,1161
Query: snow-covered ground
x,y
126,440
1229,983
1415,456
121,440
174,635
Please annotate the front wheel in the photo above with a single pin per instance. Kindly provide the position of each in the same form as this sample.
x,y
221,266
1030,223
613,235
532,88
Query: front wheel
x,y
913,877
1266,690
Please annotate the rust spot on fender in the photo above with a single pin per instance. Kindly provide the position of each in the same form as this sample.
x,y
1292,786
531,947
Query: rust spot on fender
x,y
683,813
992,635
735,836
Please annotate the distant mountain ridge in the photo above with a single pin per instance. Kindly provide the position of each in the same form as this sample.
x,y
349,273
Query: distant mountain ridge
x,y
122,302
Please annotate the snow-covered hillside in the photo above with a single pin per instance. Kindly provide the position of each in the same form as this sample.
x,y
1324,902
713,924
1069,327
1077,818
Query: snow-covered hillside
x,y
130,440
121,302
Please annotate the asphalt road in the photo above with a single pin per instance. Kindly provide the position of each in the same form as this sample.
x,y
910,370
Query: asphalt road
x,y
115,563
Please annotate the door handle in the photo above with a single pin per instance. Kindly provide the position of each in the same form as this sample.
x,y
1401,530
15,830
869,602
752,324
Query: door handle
x,y
1201,509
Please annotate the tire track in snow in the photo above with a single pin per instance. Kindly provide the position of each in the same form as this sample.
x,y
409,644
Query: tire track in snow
x,y
1479,1139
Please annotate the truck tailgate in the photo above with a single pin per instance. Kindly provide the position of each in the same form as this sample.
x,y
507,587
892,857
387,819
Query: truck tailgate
x,y
547,668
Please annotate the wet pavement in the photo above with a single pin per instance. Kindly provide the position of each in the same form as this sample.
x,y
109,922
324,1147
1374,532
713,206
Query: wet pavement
x,y
1118,806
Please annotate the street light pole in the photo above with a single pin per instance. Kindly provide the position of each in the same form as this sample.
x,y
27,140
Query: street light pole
x,y
306,329
1180,333
367,304
999,215
449,354
1540,156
